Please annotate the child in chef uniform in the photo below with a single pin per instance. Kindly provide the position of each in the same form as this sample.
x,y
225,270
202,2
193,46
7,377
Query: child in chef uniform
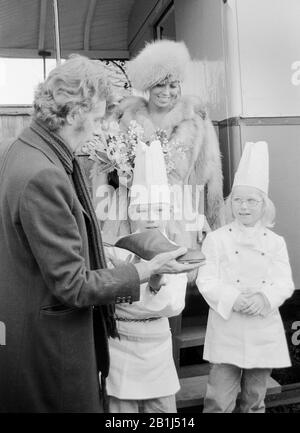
x,y
246,278
142,375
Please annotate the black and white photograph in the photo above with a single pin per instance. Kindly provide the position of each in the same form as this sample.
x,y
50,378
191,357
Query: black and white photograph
x,y
149,209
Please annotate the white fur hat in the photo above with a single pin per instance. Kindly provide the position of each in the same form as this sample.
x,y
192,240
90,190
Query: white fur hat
x,y
157,61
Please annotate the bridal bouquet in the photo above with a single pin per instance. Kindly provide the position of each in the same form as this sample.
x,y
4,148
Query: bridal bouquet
x,y
115,149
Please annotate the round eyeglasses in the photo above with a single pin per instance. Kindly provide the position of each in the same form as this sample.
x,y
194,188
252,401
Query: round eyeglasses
x,y
250,202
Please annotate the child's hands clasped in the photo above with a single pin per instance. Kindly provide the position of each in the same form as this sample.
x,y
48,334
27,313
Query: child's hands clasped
x,y
240,303
256,304
251,304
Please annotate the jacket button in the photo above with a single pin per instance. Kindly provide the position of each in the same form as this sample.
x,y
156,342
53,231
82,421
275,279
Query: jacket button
x,y
236,252
230,230
265,234
263,282
237,281
262,254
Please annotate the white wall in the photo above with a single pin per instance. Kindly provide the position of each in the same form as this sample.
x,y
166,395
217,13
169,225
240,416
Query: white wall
x,y
269,49
199,24
246,52
247,55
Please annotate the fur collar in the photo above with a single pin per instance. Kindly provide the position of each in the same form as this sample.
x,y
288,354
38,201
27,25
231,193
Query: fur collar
x,y
187,108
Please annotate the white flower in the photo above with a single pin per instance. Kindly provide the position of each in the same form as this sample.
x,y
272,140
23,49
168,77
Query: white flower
x,y
115,149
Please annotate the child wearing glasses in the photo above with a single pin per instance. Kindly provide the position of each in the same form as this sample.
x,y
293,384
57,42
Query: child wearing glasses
x,y
246,278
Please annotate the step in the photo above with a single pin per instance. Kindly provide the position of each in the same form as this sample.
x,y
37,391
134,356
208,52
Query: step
x,y
193,390
194,370
191,336
193,320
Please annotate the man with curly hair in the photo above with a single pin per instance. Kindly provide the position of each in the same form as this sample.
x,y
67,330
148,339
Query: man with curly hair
x,y
56,294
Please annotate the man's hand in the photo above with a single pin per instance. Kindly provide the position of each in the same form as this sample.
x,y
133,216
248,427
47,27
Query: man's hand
x,y
165,263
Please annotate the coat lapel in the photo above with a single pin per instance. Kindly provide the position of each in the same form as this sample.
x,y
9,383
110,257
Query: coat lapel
x,y
31,138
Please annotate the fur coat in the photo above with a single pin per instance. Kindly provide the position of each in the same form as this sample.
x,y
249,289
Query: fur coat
x,y
196,155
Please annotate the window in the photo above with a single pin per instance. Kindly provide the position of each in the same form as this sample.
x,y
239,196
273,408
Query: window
x,y
19,78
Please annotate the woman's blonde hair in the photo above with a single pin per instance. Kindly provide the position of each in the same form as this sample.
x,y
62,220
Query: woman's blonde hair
x,y
268,213
72,87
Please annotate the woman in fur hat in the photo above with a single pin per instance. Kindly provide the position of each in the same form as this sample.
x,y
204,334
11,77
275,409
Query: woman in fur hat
x,y
192,147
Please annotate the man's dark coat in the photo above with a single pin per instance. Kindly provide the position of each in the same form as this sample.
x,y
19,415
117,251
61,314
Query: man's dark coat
x,y
46,288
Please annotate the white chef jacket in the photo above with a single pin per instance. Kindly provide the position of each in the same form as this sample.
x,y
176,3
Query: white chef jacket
x,y
141,361
240,259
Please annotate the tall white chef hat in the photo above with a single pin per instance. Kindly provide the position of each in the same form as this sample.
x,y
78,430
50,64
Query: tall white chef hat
x,y
150,182
253,169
